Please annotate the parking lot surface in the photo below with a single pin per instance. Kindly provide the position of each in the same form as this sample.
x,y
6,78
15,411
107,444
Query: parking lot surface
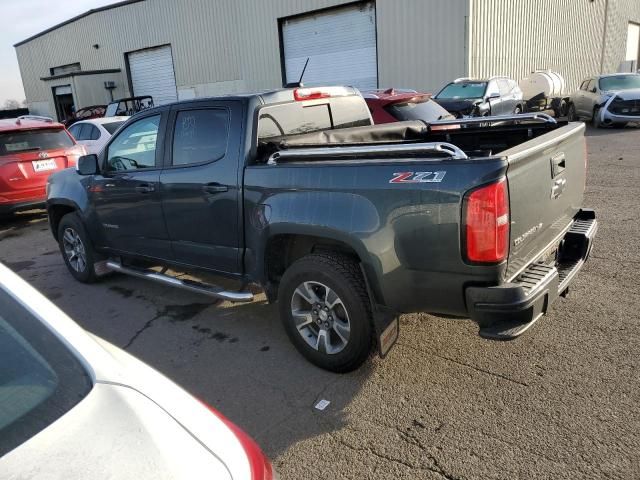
x,y
563,401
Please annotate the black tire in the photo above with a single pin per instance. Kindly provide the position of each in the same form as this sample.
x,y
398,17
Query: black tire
x,y
517,110
619,125
571,113
343,276
595,121
72,226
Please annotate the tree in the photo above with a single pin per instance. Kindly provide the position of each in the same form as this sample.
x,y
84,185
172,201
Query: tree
x,y
11,104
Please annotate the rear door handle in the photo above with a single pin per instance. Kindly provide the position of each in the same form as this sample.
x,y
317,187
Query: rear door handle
x,y
145,188
215,188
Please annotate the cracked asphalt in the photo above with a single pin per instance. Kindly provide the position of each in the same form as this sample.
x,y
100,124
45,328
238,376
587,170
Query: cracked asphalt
x,y
561,402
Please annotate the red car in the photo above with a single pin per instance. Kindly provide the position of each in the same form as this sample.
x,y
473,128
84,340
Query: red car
x,y
31,149
393,105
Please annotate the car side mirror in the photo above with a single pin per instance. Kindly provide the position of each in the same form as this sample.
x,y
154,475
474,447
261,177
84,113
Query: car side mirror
x,y
594,90
493,95
88,165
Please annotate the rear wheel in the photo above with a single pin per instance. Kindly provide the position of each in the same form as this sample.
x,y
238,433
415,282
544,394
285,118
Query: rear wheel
x,y
326,311
571,113
76,248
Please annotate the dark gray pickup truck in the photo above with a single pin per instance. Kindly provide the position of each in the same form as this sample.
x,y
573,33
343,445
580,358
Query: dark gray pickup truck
x,y
345,223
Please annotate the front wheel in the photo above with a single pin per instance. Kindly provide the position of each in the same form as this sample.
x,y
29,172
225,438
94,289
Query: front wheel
x,y
76,248
518,110
326,311
595,120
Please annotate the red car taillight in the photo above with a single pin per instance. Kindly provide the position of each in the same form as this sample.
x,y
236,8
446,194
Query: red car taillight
x,y
486,234
260,466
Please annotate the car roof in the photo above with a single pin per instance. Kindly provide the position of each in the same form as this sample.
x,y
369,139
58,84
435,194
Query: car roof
x,y
102,120
392,95
17,124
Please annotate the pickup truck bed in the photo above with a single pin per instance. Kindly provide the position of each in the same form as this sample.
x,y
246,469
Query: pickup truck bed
x,y
345,225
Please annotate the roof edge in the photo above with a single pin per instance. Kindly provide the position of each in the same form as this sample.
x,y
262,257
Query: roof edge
x,y
77,17
80,73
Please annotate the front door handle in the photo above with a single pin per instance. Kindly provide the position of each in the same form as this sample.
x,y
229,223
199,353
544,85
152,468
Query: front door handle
x,y
215,188
145,188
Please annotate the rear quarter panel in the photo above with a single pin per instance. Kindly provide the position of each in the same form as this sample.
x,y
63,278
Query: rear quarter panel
x,y
406,235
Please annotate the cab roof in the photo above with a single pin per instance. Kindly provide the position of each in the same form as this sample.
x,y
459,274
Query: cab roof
x,y
17,124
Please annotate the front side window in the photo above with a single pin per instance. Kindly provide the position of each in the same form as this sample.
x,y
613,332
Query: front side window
x,y
34,140
40,379
134,147
200,136
463,90
591,85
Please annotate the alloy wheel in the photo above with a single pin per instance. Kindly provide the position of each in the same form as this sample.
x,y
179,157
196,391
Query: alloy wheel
x,y
74,250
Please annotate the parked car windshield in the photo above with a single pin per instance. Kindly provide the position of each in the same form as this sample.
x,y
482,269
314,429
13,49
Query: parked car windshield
x,y
40,380
463,90
30,140
422,109
619,82
112,127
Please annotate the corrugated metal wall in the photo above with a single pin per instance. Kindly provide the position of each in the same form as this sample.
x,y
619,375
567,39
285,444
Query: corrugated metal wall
x,y
226,46
515,37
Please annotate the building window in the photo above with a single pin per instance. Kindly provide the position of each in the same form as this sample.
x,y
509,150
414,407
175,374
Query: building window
x,y
61,70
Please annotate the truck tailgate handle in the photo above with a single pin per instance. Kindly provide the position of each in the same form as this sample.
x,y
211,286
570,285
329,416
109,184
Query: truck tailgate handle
x,y
145,188
215,188
558,164
558,187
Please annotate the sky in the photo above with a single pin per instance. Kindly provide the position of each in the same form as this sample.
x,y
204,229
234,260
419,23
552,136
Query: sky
x,y
24,18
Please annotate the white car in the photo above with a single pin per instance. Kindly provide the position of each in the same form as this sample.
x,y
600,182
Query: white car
x,y
607,100
73,406
96,132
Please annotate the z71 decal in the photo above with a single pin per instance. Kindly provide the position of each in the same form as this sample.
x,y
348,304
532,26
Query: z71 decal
x,y
418,177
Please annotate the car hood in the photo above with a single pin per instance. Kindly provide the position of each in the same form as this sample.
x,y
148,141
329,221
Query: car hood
x,y
632,94
456,104
114,432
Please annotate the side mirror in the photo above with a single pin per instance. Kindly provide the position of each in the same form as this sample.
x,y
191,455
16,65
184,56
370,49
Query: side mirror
x,y
594,90
493,95
88,165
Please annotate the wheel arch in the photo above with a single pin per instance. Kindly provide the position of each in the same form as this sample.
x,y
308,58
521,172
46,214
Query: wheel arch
x,y
58,209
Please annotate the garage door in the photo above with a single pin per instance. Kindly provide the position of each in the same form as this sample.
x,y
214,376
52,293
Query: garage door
x,y
152,74
340,44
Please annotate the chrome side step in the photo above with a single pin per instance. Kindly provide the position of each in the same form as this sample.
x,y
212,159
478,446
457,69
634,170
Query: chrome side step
x,y
211,290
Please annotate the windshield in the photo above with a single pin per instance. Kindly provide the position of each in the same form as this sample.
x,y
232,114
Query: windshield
x,y
40,380
31,140
423,109
112,127
463,90
619,82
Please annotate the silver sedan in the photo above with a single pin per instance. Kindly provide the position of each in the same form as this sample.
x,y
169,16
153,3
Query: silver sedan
x,y
73,406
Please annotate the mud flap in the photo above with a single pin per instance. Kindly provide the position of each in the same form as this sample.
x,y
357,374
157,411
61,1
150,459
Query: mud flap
x,y
387,329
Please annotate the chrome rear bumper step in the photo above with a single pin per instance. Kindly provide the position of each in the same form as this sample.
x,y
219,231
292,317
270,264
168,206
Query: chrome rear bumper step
x,y
197,287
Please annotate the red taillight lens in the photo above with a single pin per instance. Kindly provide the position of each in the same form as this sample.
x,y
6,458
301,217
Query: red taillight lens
x,y
487,223
301,94
259,463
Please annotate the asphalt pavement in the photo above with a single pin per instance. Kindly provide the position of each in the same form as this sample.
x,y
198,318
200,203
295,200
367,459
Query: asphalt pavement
x,y
561,402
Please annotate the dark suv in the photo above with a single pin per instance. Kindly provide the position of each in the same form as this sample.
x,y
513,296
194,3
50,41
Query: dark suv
x,y
466,97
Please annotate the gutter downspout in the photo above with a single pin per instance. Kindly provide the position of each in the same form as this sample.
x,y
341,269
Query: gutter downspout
x,y
604,34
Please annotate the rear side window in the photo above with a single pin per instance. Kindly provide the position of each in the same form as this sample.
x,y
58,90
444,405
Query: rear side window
x,y
200,136
40,380
94,133
112,127
34,140
299,117
423,109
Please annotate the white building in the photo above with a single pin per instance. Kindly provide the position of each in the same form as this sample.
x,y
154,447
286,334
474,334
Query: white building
x,y
179,49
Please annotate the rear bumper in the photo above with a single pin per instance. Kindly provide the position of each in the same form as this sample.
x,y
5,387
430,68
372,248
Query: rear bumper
x,y
506,311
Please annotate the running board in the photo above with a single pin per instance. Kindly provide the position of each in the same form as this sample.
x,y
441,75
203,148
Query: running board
x,y
210,290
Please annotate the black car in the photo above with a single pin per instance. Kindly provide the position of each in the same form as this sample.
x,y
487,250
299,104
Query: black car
x,y
466,97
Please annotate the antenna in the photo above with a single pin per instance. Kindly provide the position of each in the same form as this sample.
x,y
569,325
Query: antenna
x,y
299,82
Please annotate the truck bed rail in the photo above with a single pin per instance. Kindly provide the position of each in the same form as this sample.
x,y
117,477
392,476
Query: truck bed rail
x,y
534,117
367,151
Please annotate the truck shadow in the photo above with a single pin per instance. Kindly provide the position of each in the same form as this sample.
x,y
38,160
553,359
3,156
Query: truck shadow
x,y
598,132
235,357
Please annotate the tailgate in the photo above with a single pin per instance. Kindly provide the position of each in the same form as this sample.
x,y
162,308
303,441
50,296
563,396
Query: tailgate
x,y
546,179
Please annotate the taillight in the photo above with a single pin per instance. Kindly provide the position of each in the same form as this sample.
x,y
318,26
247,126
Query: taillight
x,y
258,462
486,214
302,94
